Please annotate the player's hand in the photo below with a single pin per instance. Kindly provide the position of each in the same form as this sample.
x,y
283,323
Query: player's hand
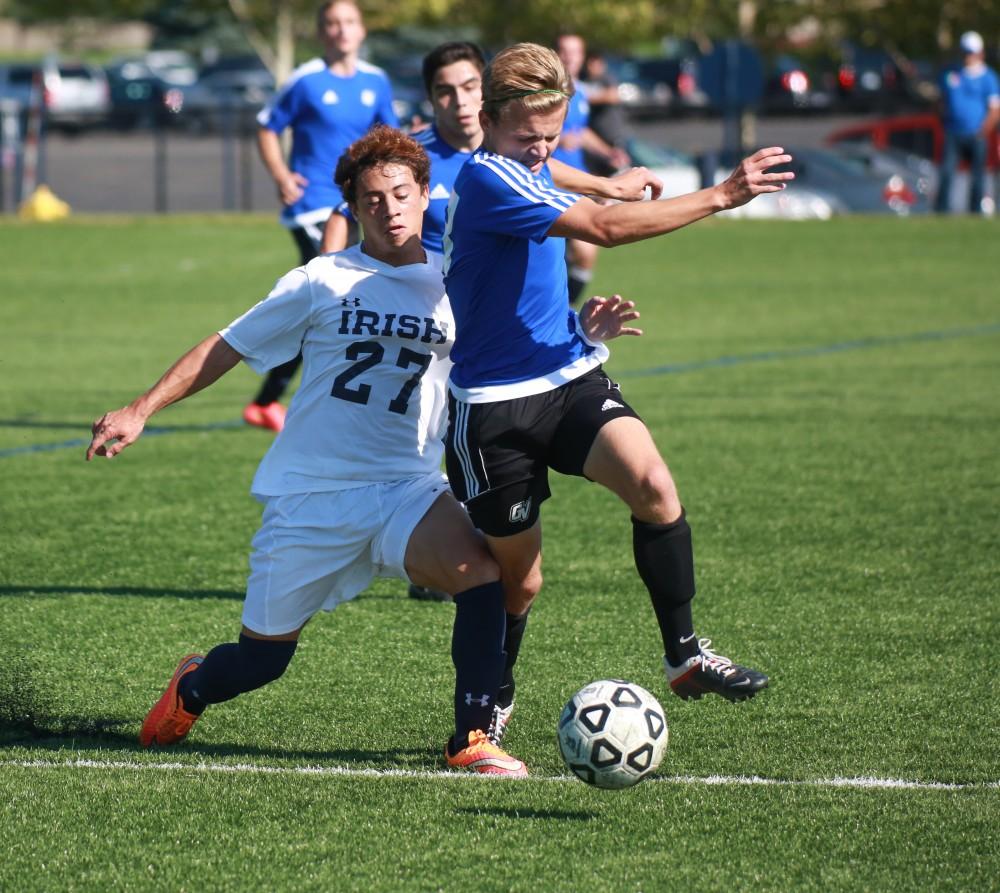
x,y
753,177
114,431
631,185
291,188
605,318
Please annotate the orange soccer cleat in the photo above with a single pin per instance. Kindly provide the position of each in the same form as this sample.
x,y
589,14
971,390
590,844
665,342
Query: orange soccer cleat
x,y
486,758
271,416
168,722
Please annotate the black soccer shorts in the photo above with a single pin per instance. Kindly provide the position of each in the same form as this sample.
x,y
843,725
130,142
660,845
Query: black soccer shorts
x,y
498,454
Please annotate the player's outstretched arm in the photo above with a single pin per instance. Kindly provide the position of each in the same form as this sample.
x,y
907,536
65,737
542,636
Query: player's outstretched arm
x,y
611,225
629,186
605,318
197,369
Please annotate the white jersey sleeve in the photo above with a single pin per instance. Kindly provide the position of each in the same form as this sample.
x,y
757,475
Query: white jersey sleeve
x,y
271,332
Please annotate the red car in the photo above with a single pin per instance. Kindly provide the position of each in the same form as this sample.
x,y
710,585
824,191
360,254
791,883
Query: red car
x,y
919,134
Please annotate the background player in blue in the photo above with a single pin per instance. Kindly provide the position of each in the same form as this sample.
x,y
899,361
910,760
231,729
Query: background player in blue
x,y
577,136
527,389
970,100
328,103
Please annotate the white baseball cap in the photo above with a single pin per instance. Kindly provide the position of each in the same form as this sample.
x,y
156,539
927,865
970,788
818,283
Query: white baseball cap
x,y
971,42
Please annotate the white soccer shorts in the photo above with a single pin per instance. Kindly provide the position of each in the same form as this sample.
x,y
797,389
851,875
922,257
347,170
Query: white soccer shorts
x,y
316,550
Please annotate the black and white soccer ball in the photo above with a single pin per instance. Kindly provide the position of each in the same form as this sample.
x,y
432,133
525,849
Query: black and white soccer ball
x,y
612,733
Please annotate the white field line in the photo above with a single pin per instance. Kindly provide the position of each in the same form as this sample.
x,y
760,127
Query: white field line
x,y
864,782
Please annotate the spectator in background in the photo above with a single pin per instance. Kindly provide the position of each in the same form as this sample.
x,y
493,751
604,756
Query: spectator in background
x,y
970,110
577,138
328,103
607,115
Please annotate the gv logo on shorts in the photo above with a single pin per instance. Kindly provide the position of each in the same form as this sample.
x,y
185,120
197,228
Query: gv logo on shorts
x,y
519,511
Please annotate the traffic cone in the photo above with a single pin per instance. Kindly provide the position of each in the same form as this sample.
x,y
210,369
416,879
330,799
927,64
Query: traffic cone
x,y
43,205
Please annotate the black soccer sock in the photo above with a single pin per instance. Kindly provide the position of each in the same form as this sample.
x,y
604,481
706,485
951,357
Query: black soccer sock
x,y
577,279
665,561
233,669
512,645
277,382
477,652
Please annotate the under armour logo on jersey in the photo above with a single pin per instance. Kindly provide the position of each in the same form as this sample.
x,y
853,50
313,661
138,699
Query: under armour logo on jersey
x,y
611,404
330,98
350,302
483,701
519,511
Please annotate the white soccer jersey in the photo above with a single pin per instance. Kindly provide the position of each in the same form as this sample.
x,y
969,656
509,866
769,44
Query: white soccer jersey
x,y
375,340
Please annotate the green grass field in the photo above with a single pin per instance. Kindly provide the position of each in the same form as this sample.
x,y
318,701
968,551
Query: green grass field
x,y
827,397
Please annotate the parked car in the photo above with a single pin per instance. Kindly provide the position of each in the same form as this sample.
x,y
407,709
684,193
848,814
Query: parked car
x,y
794,85
228,94
173,67
140,96
917,134
74,95
682,173
656,86
844,185
875,80
923,136
920,174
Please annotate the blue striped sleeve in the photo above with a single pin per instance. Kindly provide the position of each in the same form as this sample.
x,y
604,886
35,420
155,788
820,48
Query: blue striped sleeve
x,y
509,200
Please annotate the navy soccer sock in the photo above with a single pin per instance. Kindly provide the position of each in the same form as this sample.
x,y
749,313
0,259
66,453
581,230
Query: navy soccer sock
x,y
233,669
665,561
577,279
477,652
512,645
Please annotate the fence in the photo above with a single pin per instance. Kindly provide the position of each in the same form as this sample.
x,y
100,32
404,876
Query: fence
x,y
161,167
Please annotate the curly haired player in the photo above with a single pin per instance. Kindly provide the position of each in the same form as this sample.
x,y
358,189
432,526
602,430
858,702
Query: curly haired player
x,y
351,486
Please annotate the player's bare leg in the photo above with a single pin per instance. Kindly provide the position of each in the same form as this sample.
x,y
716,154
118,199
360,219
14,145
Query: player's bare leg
x,y
446,552
625,459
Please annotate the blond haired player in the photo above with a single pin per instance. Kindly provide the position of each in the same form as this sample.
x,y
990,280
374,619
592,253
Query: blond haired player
x,y
528,392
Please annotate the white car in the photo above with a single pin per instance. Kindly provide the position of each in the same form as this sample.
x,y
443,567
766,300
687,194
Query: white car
x,y
74,94
681,174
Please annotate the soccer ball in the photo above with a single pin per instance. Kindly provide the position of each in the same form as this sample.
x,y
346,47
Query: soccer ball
x,y
612,733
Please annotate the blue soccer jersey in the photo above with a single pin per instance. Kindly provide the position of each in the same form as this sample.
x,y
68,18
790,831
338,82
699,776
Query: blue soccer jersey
x,y
327,113
446,162
506,279
577,118
968,94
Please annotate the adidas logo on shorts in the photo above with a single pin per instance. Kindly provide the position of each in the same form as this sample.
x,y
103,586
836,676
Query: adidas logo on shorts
x,y
611,404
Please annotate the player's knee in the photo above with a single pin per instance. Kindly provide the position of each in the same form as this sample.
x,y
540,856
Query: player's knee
x,y
655,496
520,594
